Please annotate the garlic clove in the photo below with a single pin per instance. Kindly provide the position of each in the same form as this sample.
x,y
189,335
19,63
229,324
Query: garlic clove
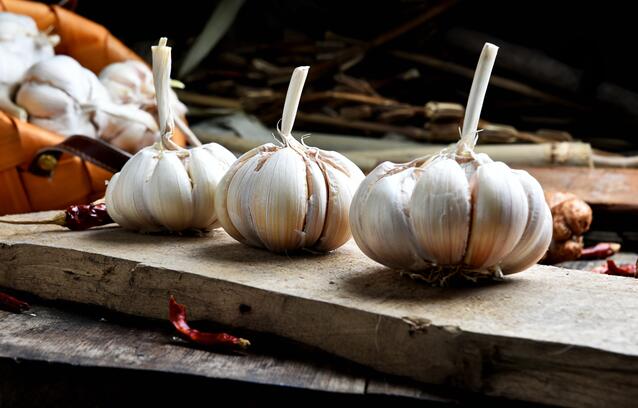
x,y
317,197
499,215
206,167
225,203
538,231
168,192
440,212
277,213
342,178
379,216
111,206
128,192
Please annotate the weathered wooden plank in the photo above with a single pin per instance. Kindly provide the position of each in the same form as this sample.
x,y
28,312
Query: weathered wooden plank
x,y
545,335
97,338
610,189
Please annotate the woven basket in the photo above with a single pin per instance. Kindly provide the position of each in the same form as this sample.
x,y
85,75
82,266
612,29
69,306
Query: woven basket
x,y
74,181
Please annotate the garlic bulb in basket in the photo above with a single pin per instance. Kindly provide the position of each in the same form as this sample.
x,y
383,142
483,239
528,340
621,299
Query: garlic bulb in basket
x,y
21,45
61,95
457,212
166,187
56,93
291,196
131,82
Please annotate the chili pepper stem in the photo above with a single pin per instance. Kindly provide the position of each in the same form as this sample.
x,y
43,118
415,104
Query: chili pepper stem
x,y
58,219
243,343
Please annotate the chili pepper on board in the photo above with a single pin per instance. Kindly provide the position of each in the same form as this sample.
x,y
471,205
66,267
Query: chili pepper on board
x,y
11,304
177,316
600,251
610,268
75,217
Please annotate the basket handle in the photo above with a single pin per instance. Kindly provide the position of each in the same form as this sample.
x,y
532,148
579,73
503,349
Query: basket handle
x,y
91,150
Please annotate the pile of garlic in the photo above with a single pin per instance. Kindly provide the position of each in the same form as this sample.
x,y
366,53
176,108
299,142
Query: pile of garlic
x,y
456,213
291,196
165,187
21,46
58,94
62,96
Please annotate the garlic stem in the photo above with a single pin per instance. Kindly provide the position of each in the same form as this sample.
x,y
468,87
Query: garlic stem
x,y
161,79
292,102
192,138
477,95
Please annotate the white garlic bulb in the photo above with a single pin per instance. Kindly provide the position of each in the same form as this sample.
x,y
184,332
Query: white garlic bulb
x,y
21,45
288,197
131,82
56,93
457,212
62,96
166,187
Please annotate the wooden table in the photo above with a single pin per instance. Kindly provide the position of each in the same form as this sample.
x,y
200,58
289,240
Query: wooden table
x,y
68,354
546,335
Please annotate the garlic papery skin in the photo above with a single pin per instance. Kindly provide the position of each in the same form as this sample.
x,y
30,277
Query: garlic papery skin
x,y
289,197
21,46
165,187
456,213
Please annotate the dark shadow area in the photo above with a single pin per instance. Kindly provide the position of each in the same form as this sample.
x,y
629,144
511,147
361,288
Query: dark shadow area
x,y
385,283
29,381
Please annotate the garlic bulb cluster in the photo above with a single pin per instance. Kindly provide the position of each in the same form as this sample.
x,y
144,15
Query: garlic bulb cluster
x,y
166,187
291,196
131,82
21,45
56,93
457,212
61,95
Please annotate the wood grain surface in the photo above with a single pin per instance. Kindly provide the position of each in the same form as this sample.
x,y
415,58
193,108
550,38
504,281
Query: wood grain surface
x,y
547,335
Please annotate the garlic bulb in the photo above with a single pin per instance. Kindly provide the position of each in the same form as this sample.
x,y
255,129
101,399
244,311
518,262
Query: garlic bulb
x,y
457,212
131,82
21,45
61,95
56,93
166,187
291,196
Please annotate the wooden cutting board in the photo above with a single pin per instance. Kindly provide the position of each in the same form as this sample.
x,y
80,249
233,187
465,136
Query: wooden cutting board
x,y
547,335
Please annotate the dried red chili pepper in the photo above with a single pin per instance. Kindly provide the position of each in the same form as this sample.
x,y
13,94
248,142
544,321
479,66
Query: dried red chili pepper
x,y
75,217
177,316
8,302
81,217
610,268
600,251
